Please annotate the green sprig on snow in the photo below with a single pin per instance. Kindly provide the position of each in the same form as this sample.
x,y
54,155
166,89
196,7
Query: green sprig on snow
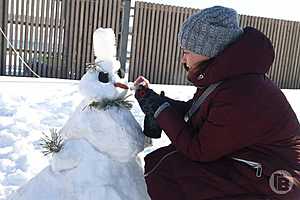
x,y
51,144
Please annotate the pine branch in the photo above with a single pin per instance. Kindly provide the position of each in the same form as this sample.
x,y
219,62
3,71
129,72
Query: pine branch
x,y
105,104
52,144
91,66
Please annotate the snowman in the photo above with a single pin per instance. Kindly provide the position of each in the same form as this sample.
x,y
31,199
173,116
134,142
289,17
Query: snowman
x,y
98,160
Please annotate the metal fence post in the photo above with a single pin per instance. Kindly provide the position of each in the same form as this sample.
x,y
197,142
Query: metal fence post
x,y
1,37
3,43
124,33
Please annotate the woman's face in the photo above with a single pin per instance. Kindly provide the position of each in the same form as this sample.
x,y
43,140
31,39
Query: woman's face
x,y
191,60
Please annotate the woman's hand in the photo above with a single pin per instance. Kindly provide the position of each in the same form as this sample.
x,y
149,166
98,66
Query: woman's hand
x,y
141,81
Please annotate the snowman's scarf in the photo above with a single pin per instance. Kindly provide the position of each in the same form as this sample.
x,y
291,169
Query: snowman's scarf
x,y
105,104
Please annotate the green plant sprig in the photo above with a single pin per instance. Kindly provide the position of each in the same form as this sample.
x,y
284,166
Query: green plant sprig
x,y
121,102
53,143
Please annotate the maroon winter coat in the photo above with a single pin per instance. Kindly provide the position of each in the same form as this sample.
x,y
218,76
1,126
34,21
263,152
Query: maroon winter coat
x,y
246,117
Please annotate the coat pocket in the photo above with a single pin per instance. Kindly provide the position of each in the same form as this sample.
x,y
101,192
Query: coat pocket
x,y
255,165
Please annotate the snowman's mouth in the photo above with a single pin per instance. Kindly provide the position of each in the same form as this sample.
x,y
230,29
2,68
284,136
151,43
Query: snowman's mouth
x,y
121,85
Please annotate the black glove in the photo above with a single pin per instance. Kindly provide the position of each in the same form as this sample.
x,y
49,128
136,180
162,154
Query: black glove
x,y
149,100
151,127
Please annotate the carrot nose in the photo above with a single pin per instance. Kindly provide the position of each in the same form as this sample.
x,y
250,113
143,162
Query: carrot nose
x,y
121,85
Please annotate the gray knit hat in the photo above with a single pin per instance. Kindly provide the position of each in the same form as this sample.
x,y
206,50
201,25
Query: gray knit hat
x,y
209,31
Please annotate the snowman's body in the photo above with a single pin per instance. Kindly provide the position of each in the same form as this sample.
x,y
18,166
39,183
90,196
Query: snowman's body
x,y
98,159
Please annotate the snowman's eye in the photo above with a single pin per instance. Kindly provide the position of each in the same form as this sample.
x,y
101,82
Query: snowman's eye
x,y
103,77
121,73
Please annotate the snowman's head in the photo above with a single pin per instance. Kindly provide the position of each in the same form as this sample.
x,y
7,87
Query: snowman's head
x,y
104,80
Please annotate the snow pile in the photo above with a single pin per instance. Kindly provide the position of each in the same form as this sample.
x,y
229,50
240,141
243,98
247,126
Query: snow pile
x,y
80,172
99,155
114,131
29,106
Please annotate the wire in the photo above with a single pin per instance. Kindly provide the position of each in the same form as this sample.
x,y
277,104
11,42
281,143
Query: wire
x,y
26,65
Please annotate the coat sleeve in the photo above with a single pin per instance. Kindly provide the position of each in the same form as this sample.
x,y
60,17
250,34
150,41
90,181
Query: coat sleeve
x,y
181,107
228,128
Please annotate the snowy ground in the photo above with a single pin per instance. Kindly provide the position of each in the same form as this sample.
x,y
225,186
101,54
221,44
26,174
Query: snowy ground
x,y
31,106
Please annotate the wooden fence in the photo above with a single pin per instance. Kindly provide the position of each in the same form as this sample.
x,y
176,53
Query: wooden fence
x,y
55,36
155,51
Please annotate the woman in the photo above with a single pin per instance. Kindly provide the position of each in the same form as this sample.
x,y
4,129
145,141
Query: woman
x,y
244,131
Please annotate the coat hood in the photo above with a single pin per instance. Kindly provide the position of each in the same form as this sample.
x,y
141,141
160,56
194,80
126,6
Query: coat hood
x,y
252,53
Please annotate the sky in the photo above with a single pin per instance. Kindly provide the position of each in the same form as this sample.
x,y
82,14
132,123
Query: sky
x,y
287,9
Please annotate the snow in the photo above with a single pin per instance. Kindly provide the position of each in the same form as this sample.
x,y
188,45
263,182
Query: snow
x,y
98,156
104,44
30,106
89,176
103,149
104,90
24,115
